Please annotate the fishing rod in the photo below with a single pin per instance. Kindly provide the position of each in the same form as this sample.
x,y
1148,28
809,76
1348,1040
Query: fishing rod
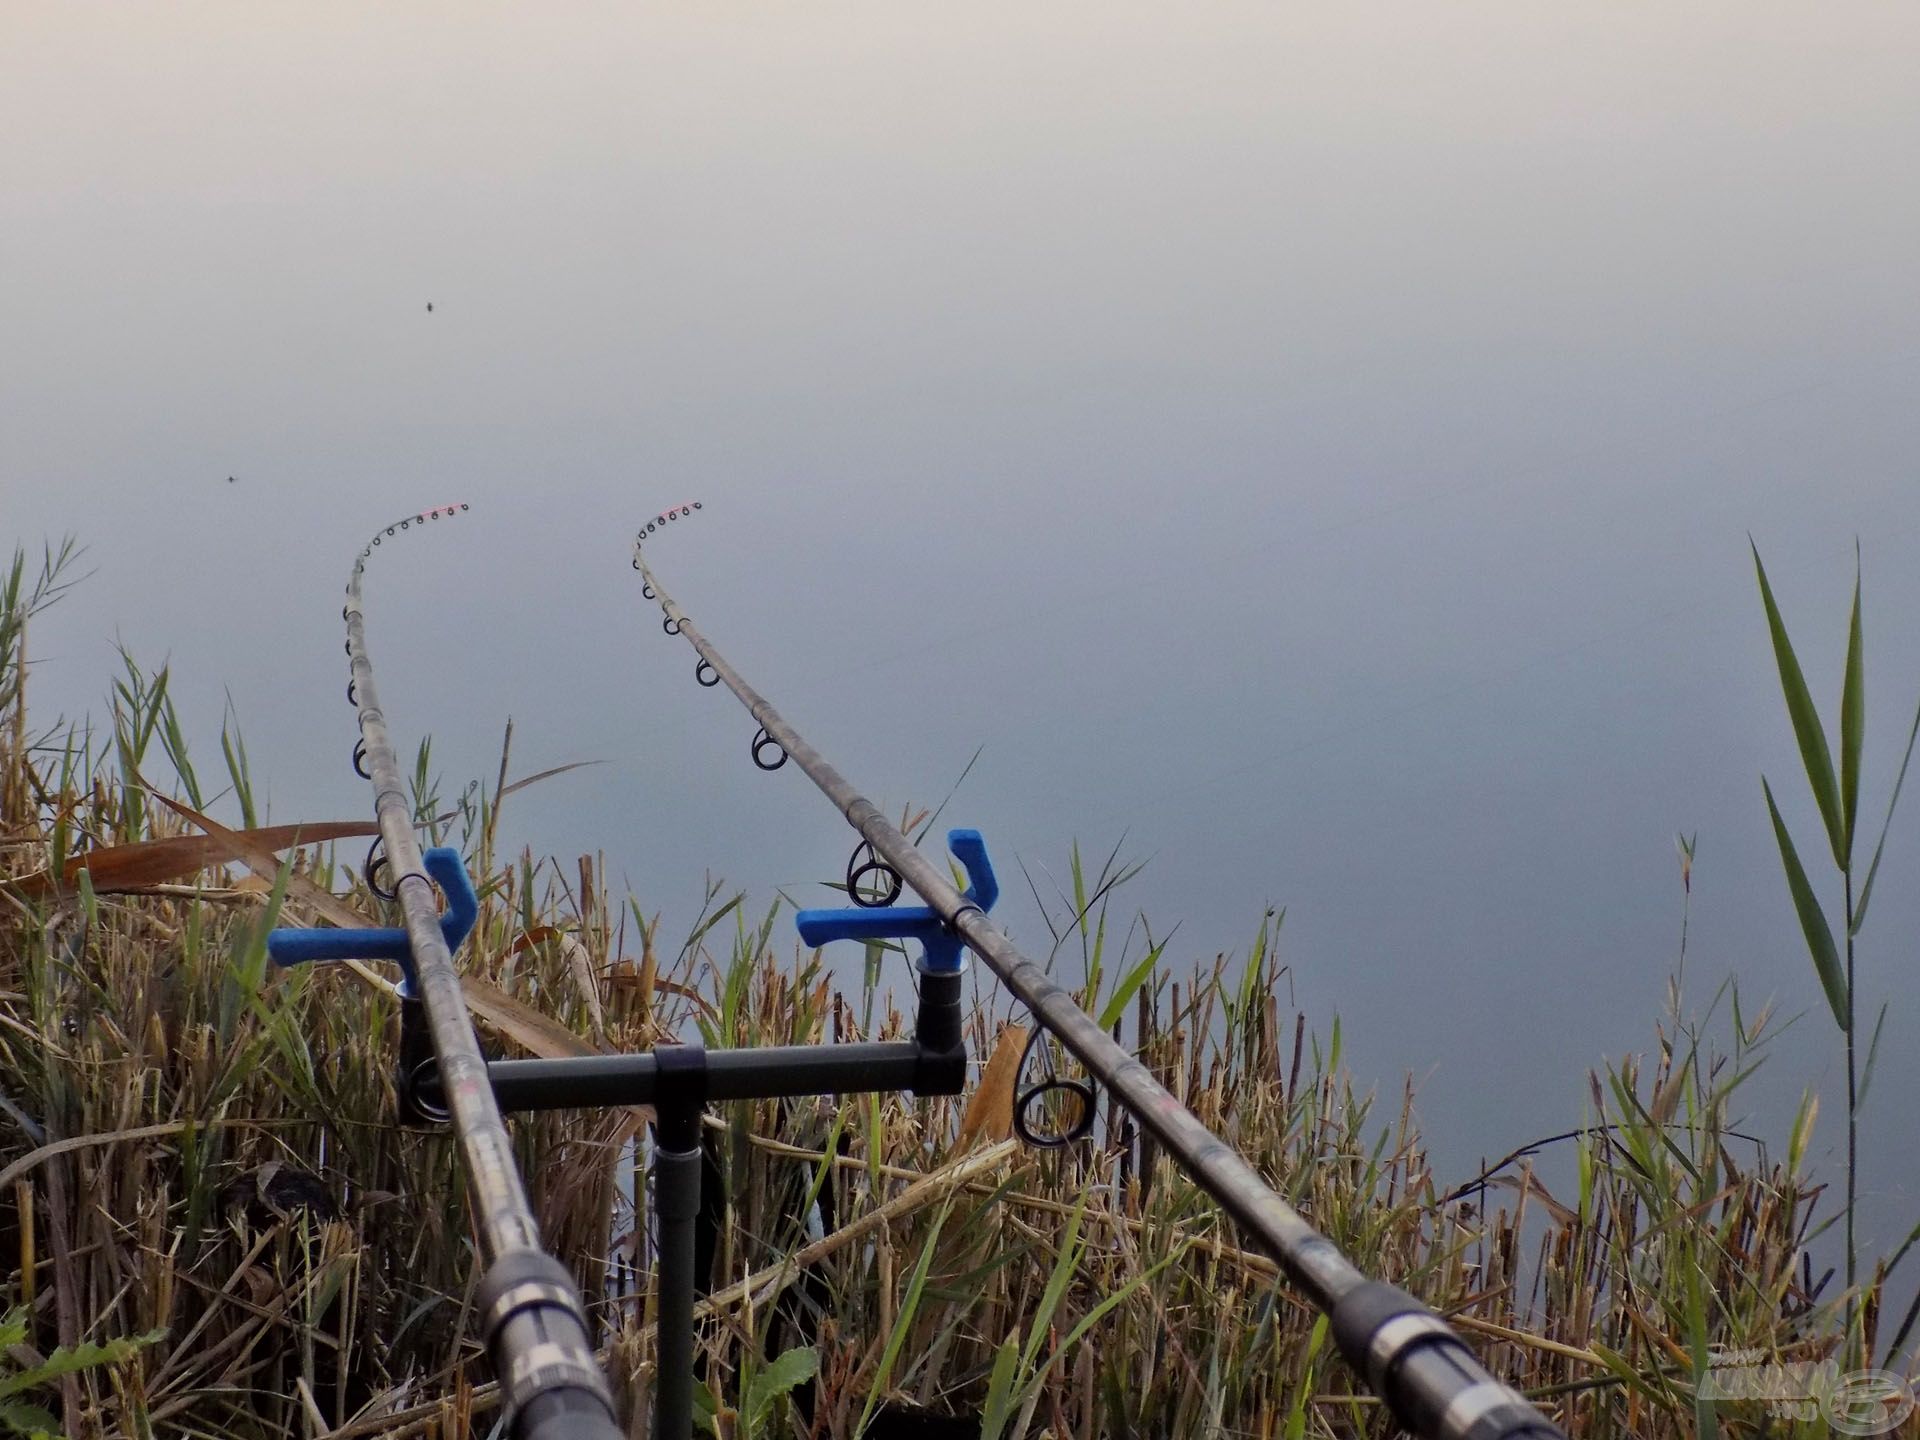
x,y
535,1326
1409,1356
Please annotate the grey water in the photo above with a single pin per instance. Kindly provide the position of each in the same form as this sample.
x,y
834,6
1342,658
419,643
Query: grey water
x,y
1313,449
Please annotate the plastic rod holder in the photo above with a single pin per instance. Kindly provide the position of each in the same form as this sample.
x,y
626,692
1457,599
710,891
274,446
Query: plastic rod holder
x,y
289,946
944,952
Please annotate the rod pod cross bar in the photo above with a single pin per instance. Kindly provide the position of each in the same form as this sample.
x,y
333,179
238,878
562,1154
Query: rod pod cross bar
x,y
535,1327
1435,1385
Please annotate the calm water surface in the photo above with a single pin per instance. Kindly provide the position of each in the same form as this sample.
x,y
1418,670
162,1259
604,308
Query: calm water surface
x,y
1312,449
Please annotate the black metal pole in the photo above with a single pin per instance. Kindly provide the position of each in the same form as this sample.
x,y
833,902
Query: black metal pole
x,y
589,1081
680,1093
676,1203
535,1327
1407,1354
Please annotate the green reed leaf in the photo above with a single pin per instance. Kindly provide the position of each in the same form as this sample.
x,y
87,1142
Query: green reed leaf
x,y
1853,716
1807,729
1813,920
1873,869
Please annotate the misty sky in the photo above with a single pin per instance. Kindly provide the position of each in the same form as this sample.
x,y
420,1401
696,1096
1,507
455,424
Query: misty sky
x,y
1317,444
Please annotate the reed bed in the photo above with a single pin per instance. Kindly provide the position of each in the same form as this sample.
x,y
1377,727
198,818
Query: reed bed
x,y
212,1225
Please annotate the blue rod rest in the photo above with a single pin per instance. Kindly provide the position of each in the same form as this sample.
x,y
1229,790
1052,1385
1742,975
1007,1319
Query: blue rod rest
x,y
912,922
300,947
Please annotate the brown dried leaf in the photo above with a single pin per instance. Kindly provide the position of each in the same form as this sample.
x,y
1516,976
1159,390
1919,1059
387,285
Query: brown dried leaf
x,y
580,965
990,1111
262,861
522,1024
176,857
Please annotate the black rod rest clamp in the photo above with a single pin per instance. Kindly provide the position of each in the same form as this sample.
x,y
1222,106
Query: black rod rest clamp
x,y
943,956
679,1094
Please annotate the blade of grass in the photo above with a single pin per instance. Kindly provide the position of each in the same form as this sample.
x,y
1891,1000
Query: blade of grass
x,y
909,1305
1873,1051
1807,729
1853,716
1128,987
1813,920
1873,869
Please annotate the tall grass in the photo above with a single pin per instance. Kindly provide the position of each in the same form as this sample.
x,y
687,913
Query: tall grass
x,y
1838,799
199,1146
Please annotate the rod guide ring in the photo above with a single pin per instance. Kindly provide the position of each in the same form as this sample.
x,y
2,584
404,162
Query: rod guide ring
x,y
763,741
375,863
886,878
1081,1127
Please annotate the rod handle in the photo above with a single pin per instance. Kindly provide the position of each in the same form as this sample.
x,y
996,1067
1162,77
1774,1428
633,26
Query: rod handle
x,y
1434,1383
569,1414
536,1332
